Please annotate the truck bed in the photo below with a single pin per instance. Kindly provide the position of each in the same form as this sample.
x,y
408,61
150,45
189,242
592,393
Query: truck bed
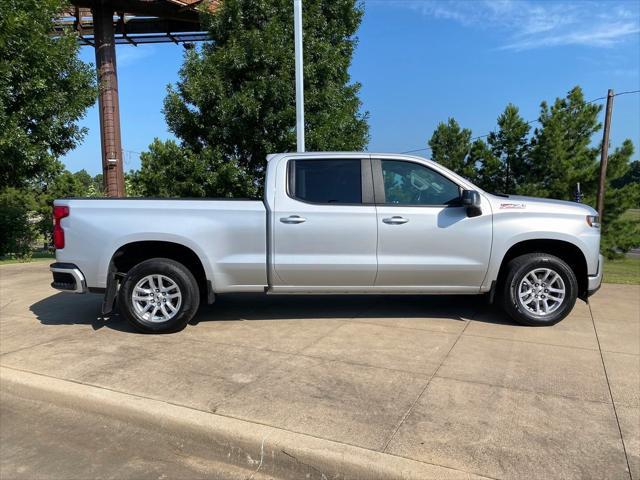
x,y
229,236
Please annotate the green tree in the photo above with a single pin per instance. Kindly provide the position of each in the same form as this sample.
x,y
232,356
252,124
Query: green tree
x,y
44,90
632,175
171,170
64,185
562,154
620,233
235,100
490,171
90,188
450,146
133,184
97,189
68,185
510,145
19,229
561,150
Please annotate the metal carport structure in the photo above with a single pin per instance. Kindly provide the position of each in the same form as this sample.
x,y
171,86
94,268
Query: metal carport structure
x,y
104,23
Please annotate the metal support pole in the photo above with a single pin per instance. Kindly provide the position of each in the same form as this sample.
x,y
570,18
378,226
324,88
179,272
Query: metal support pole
x,y
297,25
109,109
604,154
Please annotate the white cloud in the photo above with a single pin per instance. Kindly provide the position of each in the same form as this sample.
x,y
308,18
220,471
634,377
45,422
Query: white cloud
x,y
534,24
127,55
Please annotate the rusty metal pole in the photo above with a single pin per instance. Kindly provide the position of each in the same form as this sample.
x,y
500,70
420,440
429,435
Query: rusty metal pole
x,y
297,27
109,109
604,154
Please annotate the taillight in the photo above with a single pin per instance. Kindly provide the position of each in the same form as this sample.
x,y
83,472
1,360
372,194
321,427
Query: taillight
x,y
59,212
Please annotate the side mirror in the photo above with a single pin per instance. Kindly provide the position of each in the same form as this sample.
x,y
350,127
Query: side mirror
x,y
471,200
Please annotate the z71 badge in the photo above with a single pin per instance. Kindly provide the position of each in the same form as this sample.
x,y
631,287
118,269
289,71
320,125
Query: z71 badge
x,y
513,206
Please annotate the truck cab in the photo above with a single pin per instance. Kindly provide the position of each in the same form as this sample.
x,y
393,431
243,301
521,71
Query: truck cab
x,y
373,223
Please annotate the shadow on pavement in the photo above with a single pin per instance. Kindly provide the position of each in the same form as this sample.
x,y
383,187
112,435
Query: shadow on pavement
x,y
70,309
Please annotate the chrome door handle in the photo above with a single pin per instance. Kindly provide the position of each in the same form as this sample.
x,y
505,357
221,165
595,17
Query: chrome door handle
x,y
395,220
293,219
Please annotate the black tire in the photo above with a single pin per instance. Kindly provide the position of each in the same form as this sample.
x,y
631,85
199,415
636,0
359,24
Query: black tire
x,y
517,269
176,272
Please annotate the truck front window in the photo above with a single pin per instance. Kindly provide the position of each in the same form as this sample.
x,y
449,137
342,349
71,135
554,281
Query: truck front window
x,y
408,183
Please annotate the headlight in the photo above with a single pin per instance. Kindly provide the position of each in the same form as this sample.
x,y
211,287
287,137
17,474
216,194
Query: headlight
x,y
593,221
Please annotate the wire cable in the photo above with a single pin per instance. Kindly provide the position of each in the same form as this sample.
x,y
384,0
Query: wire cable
x,y
528,123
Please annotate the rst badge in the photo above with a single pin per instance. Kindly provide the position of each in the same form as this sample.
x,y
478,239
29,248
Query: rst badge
x,y
512,206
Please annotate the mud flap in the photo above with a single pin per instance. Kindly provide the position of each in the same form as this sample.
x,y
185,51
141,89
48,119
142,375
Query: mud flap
x,y
492,293
111,291
211,297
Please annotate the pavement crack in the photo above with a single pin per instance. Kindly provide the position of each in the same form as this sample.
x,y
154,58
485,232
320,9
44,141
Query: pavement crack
x,y
412,406
532,342
261,458
524,391
297,460
50,340
613,403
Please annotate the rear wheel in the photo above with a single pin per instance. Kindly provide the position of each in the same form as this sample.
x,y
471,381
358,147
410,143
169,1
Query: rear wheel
x,y
539,289
159,295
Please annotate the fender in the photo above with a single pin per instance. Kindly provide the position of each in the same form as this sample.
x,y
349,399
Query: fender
x,y
159,237
499,255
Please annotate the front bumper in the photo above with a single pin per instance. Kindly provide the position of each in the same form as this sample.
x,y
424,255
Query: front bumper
x,y
68,278
595,281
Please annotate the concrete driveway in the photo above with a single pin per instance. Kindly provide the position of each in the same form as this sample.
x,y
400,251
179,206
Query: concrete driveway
x,y
444,381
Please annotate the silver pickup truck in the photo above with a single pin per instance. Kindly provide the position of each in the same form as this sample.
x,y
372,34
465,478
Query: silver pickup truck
x,y
330,223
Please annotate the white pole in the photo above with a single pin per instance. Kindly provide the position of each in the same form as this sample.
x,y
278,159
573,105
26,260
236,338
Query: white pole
x,y
297,25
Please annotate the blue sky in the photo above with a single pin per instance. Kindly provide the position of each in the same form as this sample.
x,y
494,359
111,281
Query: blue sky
x,y
422,61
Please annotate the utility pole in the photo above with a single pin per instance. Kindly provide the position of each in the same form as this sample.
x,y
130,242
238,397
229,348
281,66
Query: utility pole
x,y
105,46
604,154
297,26
506,180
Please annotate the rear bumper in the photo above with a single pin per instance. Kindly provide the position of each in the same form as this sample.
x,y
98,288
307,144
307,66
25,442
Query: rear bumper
x,y
595,281
68,278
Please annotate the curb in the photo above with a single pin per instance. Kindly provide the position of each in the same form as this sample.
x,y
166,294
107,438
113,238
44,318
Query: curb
x,y
264,449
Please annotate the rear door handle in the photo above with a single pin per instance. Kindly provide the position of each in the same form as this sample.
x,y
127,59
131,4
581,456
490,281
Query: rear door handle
x,y
293,219
395,220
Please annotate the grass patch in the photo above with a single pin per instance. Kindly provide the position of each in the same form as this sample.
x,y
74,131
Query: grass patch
x,y
36,257
624,270
632,214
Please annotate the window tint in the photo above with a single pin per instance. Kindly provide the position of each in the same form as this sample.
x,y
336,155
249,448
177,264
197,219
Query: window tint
x,y
326,181
407,183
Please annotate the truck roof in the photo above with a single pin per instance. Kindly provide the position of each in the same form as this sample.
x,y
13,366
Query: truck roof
x,y
327,155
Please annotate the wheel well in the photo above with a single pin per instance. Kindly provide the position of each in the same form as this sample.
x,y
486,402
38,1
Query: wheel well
x,y
566,251
131,254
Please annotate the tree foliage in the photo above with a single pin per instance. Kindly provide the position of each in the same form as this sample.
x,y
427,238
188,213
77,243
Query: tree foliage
x,y
171,170
235,100
18,225
510,146
44,90
620,233
489,171
450,145
632,175
562,153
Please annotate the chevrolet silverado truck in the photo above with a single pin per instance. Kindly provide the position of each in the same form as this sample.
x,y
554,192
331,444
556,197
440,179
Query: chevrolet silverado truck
x,y
330,223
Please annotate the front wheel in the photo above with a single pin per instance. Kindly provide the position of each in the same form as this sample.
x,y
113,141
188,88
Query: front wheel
x,y
159,295
539,289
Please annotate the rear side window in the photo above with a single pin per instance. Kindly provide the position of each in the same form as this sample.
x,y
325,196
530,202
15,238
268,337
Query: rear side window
x,y
326,181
